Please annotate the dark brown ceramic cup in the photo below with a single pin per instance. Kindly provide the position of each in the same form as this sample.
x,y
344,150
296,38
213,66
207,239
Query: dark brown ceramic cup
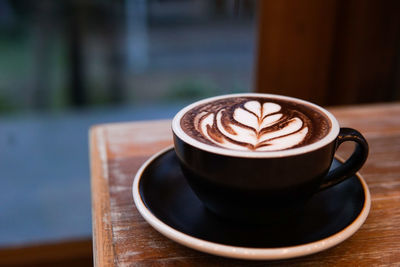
x,y
263,187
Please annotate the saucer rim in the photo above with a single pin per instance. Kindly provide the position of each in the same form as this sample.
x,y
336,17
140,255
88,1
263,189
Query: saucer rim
x,y
248,253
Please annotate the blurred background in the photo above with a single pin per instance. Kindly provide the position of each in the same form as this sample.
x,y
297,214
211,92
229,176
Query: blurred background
x,y
67,65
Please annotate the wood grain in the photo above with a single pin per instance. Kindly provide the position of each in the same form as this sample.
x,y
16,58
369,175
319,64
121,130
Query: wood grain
x,y
123,238
103,250
295,44
329,52
365,58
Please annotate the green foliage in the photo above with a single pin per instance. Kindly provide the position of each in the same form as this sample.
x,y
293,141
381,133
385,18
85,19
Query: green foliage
x,y
191,89
6,105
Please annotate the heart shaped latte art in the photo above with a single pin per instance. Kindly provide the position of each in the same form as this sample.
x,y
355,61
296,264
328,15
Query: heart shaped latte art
x,y
252,126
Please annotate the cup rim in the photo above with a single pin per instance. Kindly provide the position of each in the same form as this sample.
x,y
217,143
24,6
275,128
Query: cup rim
x,y
332,134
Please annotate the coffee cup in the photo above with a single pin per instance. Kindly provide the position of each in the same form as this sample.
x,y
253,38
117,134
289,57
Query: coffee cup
x,y
258,158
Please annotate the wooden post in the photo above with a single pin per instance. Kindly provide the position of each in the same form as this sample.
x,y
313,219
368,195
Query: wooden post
x,y
329,52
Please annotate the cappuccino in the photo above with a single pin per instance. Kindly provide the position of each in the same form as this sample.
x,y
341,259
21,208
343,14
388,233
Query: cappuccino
x,y
255,123
265,154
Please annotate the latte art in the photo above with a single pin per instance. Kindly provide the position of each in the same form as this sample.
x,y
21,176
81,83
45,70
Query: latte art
x,y
258,124
251,126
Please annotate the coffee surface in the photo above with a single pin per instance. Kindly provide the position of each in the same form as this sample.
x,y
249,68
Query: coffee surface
x,y
255,124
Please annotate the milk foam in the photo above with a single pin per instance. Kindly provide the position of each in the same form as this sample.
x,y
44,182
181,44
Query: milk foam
x,y
252,126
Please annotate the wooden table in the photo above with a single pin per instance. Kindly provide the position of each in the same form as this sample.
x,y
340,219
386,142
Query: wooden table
x,y
121,236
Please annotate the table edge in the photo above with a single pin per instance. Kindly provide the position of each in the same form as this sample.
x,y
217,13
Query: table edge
x,y
103,250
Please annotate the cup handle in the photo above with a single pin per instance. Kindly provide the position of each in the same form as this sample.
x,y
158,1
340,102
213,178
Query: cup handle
x,y
353,163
